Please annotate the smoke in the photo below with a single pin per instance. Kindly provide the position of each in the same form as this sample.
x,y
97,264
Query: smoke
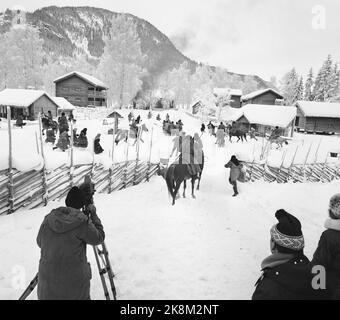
x,y
183,40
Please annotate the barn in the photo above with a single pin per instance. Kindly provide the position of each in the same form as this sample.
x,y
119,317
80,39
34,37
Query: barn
x,y
81,90
27,103
265,118
235,95
316,117
262,97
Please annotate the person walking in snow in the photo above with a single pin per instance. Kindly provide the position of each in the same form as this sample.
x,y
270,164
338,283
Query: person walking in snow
x,y
327,253
97,147
202,128
63,141
82,141
20,121
63,123
235,170
286,272
64,273
50,136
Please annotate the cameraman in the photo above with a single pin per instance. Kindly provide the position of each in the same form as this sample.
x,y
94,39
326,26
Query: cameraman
x,y
64,273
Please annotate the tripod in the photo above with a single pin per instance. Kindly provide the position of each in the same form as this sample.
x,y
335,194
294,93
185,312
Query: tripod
x,y
104,267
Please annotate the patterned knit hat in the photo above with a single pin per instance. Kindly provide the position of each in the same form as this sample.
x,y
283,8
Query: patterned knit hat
x,y
334,206
287,233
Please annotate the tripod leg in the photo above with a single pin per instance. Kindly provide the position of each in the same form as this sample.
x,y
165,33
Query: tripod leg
x,y
30,288
109,271
101,273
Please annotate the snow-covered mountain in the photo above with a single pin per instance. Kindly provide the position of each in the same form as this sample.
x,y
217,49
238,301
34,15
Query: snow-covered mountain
x,y
77,30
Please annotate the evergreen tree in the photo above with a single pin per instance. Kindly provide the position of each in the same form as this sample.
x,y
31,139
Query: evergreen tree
x,y
290,87
299,91
309,86
323,83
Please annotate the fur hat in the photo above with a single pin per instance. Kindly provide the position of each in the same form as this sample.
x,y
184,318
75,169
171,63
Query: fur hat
x,y
287,234
334,206
75,198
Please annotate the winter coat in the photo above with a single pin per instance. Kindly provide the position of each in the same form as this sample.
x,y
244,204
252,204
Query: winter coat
x,y
63,141
64,273
50,136
235,170
327,255
97,147
63,124
291,280
82,141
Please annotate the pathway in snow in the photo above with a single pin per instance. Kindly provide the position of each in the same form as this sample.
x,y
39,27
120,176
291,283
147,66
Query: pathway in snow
x,y
208,248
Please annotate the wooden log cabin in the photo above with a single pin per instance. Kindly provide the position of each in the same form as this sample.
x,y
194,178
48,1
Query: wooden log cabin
x,y
81,90
264,118
318,117
263,97
27,103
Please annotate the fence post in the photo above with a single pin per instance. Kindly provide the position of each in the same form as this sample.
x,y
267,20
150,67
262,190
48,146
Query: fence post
x,y
126,161
112,155
137,154
45,196
149,158
71,155
10,163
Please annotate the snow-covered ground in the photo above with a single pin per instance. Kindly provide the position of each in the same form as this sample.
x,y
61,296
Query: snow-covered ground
x,y
207,248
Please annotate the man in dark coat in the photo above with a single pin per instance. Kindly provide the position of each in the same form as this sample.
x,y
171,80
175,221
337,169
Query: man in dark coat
x,y
286,273
63,123
20,121
64,273
82,141
202,128
235,170
97,147
327,253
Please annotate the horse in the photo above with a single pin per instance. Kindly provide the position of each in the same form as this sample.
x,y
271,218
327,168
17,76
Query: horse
x,y
123,134
49,124
178,173
239,133
279,141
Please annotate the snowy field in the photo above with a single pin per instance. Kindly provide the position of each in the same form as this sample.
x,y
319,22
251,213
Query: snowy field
x,y
207,248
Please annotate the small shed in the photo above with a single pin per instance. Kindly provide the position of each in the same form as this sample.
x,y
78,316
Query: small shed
x,y
318,117
264,97
114,114
27,103
235,95
63,105
265,118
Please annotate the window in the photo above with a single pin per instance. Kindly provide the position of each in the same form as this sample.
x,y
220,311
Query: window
x,y
297,121
90,99
64,89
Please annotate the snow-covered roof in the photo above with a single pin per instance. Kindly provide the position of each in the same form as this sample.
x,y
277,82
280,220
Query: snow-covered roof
x,y
319,109
280,116
63,104
21,98
258,93
227,91
90,79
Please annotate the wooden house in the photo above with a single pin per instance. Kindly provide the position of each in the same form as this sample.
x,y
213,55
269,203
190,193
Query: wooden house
x,y
27,103
318,117
81,90
265,118
63,105
235,95
262,97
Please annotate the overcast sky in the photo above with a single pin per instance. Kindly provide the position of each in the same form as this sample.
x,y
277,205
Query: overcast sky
x,y
262,37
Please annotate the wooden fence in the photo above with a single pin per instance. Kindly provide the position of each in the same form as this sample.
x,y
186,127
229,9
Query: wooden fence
x,y
36,188
315,172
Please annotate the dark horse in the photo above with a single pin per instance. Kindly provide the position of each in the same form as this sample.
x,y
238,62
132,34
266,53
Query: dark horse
x,y
49,124
178,173
239,133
